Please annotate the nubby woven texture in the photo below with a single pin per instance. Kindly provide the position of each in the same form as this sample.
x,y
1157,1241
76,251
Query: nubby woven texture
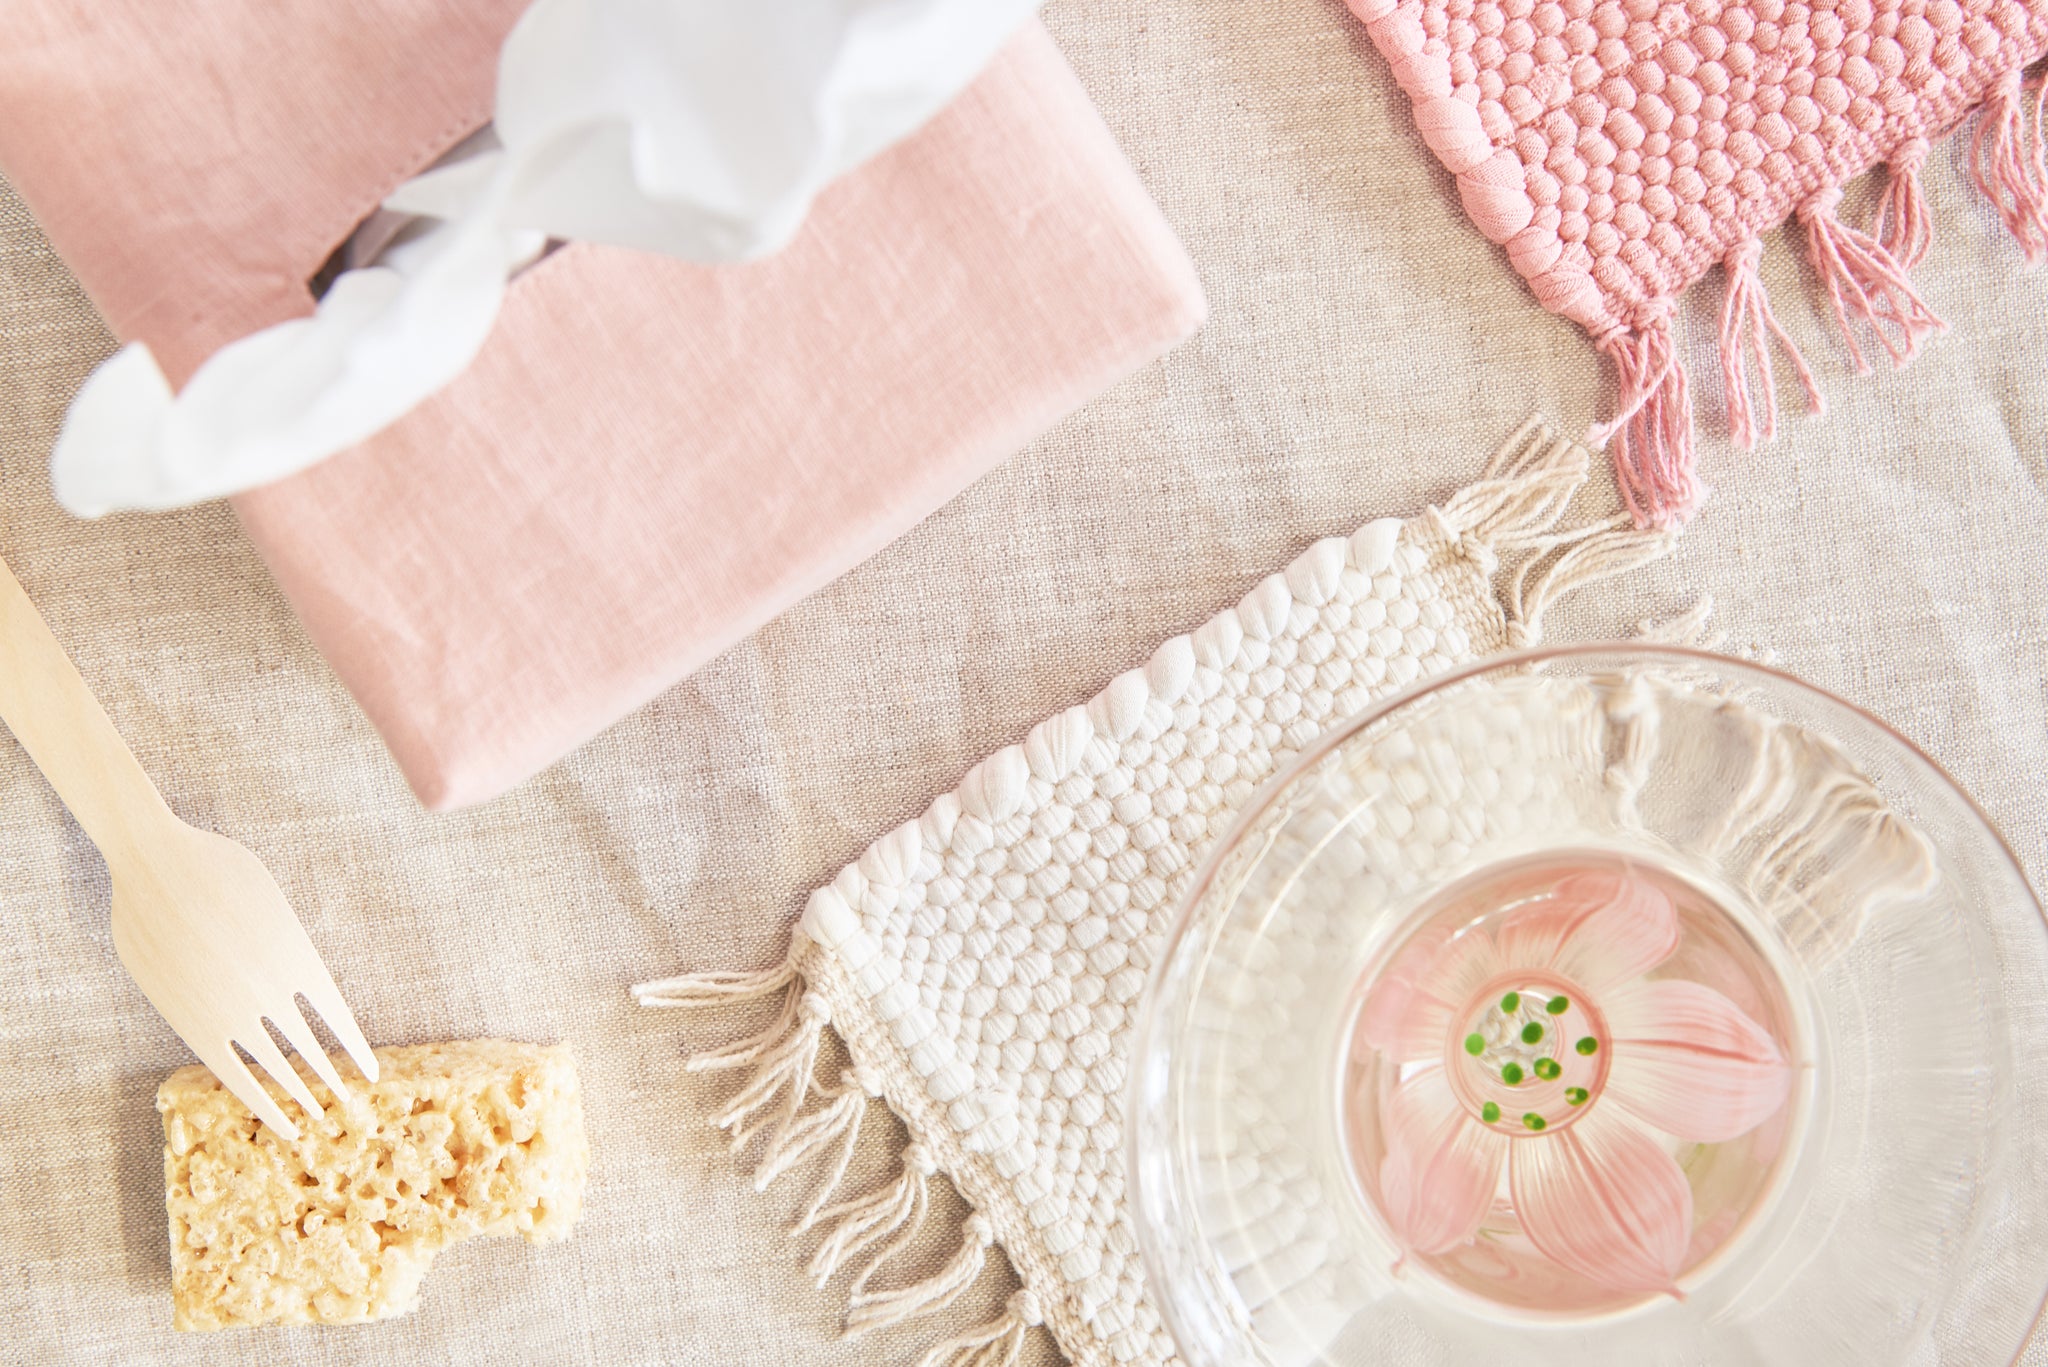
x,y
983,963
1620,148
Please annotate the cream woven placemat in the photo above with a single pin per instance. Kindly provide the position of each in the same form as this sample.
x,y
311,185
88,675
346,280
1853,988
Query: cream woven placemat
x,y
983,963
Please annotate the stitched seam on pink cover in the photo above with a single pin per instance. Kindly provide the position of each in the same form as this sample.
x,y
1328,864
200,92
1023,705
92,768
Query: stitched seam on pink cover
x,y
422,154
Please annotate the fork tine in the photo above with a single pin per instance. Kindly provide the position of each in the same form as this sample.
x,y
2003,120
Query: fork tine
x,y
291,1023
264,1050
227,1065
327,1000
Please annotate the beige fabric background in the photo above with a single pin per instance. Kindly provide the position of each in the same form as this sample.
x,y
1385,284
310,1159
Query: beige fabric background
x,y
1367,348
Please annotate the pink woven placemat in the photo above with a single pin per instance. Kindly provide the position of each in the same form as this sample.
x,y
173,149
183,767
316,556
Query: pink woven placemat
x,y
1620,148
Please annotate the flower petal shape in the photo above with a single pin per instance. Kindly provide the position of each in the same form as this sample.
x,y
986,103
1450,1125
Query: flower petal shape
x,y
1442,1167
1687,1061
1604,1199
1598,929
1408,1013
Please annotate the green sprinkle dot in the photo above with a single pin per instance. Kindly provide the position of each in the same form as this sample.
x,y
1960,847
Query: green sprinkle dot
x,y
1512,1074
1588,1045
1549,1069
1533,1121
1475,1044
1511,1003
1557,1006
1576,1095
1532,1032
1490,1112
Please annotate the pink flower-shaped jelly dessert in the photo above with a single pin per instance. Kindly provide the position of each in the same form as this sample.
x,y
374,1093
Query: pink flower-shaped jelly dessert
x,y
1548,1054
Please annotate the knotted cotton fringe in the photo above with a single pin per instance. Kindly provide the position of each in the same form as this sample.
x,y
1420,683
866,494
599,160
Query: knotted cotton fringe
x,y
1692,628
1746,317
863,1234
1652,434
1903,224
2010,164
999,1343
1512,510
1866,276
1813,842
1865,284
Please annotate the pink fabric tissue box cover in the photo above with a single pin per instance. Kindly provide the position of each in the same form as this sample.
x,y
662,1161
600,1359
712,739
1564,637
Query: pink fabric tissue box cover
x,y
650,458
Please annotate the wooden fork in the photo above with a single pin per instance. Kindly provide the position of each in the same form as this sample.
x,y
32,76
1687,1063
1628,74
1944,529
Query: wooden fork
x,y
198,920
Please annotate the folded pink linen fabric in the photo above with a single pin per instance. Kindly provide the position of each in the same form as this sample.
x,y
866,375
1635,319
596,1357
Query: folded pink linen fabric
x,y
651,458
196,161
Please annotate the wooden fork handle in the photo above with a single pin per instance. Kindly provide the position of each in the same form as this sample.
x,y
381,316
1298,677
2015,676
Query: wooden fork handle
x,y
62,726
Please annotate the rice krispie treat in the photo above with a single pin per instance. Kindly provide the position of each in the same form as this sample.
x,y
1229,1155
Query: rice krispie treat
x,y
452,1142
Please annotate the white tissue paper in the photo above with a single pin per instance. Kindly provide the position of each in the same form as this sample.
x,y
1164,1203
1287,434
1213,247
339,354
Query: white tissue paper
x,y
692,128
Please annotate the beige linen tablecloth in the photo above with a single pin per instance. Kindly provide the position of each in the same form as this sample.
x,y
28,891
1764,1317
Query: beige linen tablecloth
x,y
1367,348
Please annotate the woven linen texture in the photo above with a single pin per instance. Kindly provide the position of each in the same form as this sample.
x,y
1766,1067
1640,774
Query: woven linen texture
x,y
1898,562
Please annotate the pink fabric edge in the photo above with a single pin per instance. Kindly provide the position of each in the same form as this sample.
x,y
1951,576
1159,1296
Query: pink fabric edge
x,y
449,767
190,218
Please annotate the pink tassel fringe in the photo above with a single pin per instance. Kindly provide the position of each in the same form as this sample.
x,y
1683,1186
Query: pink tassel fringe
x,y
1865,283
2010,166
1903,223
1652,432
1746,317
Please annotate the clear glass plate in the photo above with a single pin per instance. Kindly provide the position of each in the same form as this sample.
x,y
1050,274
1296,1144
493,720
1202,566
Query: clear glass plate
x,y
1600,1005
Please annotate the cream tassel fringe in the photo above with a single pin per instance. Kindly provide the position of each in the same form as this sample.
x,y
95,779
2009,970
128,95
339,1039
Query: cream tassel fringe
x,y
1588,554
731,989
712,989
1514,509
861,1224
998,1343
807,1138
1522,492
786,1070
1689,628
784,1058
879,1309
